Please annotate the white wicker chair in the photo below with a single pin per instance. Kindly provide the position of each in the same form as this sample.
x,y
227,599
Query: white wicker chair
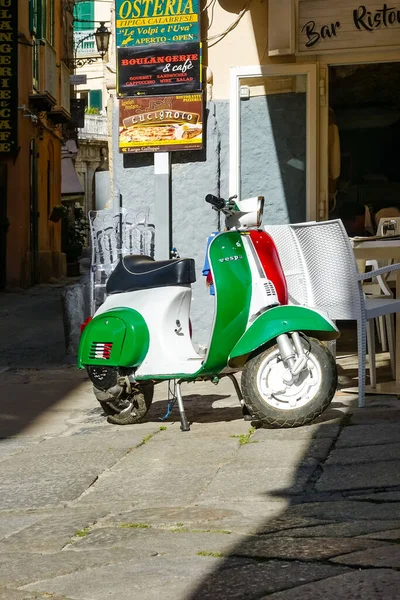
x,y
293,264
108,246
337,287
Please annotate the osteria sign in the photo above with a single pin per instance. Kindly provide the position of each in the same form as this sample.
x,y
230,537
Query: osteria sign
x,y
340,25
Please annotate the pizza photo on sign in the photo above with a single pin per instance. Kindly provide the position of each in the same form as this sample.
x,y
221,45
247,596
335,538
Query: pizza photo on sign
x,y
164,123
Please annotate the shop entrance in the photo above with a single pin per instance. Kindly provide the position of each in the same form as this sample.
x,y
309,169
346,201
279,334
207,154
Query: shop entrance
x,y
364,141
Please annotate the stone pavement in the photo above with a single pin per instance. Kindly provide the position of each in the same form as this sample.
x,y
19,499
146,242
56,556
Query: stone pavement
x,y
92,511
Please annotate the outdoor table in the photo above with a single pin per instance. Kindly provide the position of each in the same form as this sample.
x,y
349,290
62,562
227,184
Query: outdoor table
x,y
383,250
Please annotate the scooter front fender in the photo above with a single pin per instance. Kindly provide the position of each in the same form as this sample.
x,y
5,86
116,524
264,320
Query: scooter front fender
x,y
278,320
116,338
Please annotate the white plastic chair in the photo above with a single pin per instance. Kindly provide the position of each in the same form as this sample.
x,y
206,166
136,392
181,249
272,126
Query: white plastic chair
x,y
107,245
380,285
336,286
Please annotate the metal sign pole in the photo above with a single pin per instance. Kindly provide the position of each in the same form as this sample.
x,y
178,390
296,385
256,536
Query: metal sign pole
x,y
162,205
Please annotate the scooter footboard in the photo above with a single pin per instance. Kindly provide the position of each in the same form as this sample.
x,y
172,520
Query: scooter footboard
x,y
283,319
116,338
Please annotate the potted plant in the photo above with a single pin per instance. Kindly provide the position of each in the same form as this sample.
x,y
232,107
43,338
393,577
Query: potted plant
x,y
58,213
75,242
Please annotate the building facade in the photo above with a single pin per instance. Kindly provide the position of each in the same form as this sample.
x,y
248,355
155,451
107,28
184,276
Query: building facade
x,y
302,108
35,37
93,136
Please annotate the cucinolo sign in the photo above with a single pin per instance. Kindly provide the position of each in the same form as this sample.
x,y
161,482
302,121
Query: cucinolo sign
x,y
329,26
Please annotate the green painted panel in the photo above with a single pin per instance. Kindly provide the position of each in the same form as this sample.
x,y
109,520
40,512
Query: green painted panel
x,y
232,277
283,319
117,338
84,15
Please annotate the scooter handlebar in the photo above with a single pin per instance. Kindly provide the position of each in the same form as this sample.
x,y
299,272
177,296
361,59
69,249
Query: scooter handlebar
x,y
217,203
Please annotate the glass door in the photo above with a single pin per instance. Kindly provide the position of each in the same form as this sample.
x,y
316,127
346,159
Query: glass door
x,y
273,149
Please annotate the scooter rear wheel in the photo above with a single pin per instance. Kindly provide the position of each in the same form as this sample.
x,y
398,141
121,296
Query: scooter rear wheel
x,y
279,405
130,409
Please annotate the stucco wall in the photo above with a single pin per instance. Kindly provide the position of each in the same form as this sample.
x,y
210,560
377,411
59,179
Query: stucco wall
x,y
273,155
266,172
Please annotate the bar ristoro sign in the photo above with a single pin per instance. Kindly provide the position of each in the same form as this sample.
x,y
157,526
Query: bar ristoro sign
x,y
161,123
326,26
8,76
142,22
153,69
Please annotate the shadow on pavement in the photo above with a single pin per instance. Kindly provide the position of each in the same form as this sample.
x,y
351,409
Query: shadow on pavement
x,y
35,372
338,535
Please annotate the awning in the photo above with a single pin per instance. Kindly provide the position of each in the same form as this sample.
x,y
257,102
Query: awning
x,y
70,184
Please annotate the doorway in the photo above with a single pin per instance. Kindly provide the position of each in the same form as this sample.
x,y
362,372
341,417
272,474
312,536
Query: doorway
x,y
34,205
273,139
364,107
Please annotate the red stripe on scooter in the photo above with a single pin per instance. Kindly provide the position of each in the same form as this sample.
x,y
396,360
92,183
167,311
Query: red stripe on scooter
x,y
269,258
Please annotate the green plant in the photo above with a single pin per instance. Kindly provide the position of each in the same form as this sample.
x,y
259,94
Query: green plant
x,y
82,532
244,438
214,554
76,236
92,111
59,211
135,526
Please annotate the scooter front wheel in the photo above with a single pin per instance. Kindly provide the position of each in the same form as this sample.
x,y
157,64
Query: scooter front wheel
x,y
278,403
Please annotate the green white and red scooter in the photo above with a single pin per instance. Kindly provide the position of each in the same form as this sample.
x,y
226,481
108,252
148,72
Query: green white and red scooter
x,y
141,335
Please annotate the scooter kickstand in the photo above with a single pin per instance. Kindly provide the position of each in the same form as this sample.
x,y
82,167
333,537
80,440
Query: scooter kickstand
x,y
237,387
184,422
247,416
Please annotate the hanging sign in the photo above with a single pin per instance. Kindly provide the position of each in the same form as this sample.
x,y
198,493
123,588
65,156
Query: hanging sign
x,y
161,123
142,22
8,76
164,69
326,26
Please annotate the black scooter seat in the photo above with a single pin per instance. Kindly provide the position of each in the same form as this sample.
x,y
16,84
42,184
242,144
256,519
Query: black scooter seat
x,y
139,272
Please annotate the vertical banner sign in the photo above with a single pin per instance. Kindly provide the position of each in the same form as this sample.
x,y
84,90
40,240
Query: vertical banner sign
x,y
8,76
142,22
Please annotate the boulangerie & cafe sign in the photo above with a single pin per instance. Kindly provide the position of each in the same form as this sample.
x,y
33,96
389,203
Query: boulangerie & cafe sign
x,y
326,25
142,22
8,76
164,69
161,123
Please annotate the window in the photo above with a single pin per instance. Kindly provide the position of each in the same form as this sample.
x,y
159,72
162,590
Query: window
x,y
35,65
41,19
84,15
33,8
50,21
96,100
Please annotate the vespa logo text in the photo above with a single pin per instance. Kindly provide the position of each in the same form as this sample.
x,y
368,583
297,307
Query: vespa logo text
x,y
229,258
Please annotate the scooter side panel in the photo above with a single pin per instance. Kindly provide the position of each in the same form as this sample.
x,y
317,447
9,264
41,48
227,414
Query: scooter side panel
x,y
116,338
232,279
283,319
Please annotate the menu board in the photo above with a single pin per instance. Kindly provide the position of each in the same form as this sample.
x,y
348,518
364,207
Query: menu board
x,y
161,123
164,69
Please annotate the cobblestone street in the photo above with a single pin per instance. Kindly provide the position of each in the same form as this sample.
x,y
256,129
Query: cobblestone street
x,y
92,511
